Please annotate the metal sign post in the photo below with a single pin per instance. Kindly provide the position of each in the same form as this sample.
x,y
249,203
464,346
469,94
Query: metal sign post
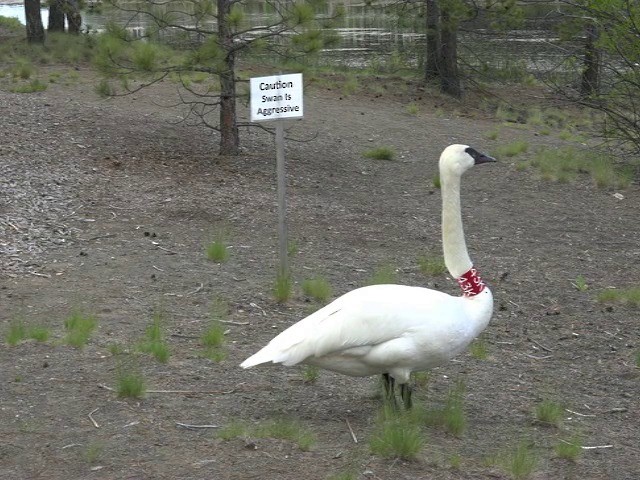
x,y
275,98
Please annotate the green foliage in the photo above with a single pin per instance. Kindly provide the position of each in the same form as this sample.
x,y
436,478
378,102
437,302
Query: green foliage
x,y
383,275
435,181
38,333
234,429
310,373
520,463
638,358
213,338
282,287
451,416
569,449
317,288
33,86
217,251
432,266
397,435
10,23
23,69
104,88
412,109
94,452
630,296
380,153
154,341
286,429
479,349
145,56
79,327
16,332
564,164
130,384
492,134
581,283
549,412
512,149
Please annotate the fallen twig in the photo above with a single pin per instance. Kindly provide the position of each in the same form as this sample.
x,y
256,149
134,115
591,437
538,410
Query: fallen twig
x,y
579,414
538,358
40,274
195,427
546,349
229,322
353,435
171,252
95,424
200,287
159,269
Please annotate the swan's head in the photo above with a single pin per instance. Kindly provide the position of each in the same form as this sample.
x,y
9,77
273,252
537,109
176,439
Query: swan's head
x,y
457,159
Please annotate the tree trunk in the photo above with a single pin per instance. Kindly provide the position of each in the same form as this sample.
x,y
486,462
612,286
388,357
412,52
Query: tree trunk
x,y
229,136
591,73
449,78
56,16
432,47
35,30
74,19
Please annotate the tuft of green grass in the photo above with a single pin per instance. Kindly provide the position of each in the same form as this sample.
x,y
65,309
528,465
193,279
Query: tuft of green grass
x,y
479,349
234,429
17,332
285,429
549,412
451,416
580,283
79,327
630,296
217,251
213,340
343,476
512,149
432,266
564,165
93,452
380,153
38,333
455,461
638,358
520,463
115,349
435,181
317,288
384,274
130,384
492,134
397,435
33,86
569,449
310,373
412,109
104,88
282,287
154,341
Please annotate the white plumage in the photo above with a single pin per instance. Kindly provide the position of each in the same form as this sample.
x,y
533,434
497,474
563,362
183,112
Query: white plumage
x,y
396,329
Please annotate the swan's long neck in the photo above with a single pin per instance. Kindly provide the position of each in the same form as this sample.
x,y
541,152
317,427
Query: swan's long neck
x,y
456,256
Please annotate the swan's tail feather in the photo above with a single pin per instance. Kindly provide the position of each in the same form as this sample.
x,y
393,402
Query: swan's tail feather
x,y
263,356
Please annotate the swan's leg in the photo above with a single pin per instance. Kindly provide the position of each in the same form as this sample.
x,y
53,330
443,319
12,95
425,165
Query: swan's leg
x,y
389,384
405,393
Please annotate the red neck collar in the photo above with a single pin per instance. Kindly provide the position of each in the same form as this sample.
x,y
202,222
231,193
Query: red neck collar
x,y
471,283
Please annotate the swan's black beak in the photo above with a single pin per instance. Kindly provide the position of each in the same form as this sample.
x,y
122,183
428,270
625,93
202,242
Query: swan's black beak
x,y
479,157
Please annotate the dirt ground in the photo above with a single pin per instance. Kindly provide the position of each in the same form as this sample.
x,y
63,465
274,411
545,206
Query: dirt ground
x,y
106,205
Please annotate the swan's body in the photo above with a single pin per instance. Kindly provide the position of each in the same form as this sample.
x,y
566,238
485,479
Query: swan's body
x,y
396,329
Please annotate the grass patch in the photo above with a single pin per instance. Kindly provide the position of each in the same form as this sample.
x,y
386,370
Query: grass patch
x,y
492,134
317,288
282,287
435,181
630,296
479,349
310,373
638,359
412,109
380,153
451,416
569,449
397,435
38,333
217,251
154,342
33,86
383,275
520,463
565,164
512,149
234,429
93,452
130,384
549,412
580,283
213,338
16,332
432,266
79,327
285,429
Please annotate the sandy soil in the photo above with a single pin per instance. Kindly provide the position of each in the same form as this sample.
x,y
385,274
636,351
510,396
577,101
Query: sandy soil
x,y
106,205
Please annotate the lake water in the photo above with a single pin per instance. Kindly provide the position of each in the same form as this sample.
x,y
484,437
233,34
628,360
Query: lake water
x,y
369,35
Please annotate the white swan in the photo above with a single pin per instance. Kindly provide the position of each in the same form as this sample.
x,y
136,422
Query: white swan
x,y
395,329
